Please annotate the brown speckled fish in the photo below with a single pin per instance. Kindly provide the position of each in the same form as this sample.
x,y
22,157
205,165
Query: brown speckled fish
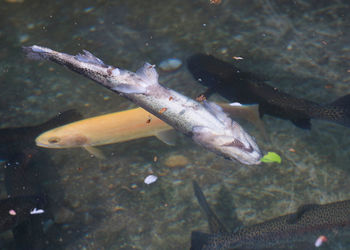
x,y
304,226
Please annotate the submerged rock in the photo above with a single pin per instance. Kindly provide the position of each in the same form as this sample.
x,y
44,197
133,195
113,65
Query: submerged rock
x,y
170,64
176,161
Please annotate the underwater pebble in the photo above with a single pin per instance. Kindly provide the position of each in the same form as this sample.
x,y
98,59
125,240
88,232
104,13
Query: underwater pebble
x,y
170,64
176,161
320,240
37,211
150,179
12,212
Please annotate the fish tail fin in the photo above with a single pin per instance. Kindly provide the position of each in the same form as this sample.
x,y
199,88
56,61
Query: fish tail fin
x,y
215,225
198,240
304,123
61,119
338,111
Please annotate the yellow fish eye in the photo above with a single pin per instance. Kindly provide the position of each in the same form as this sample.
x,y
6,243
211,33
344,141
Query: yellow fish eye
x,y
53,140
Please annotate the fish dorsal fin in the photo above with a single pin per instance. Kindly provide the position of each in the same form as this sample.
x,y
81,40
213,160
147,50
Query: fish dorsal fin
x,y
249,113
217,111
88,57
148,73
95,152
167,136
293,218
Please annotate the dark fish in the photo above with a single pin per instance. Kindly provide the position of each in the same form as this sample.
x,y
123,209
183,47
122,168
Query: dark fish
x,y
22,181
245,88
15,210
15,140
302,227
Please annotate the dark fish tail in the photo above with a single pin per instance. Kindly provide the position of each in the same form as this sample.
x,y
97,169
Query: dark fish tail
x,y
338,111
199,240
60,119
215,225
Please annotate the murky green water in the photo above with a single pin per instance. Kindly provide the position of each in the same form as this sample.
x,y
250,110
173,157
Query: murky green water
x,y
301,47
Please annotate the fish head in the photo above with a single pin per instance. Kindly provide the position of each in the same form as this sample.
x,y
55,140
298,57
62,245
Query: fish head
x,y
232,143
55,139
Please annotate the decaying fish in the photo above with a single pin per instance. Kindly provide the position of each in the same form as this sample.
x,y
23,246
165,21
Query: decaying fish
x,y
207,124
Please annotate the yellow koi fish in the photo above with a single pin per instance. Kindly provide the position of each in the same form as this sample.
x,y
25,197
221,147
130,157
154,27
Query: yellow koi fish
x,y
106,129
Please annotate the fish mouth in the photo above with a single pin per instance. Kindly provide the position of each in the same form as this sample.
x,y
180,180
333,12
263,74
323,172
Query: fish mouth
x,y
251,155
39,144
45,145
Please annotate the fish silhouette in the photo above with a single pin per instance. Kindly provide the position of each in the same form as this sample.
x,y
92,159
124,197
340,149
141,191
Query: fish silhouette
x,y
243,87
301,228
15,140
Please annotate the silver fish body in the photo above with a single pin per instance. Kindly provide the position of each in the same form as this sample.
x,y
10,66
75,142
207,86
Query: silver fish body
x,y
206,123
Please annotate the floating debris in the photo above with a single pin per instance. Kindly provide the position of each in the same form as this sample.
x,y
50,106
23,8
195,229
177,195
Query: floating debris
x,y
150,179
170,64
235,104
155,158
162,110
320,240
37,211
176,161
215,2
271,157
12,212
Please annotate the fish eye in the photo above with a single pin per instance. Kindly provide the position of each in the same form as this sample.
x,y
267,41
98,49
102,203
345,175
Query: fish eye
x,y
53,140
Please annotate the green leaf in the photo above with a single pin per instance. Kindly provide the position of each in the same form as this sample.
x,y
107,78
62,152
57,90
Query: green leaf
x,y
271,157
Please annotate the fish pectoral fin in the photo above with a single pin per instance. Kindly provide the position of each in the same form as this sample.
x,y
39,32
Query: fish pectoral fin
x,y
95,152
148,73
249,113
167,136
217,111
302,123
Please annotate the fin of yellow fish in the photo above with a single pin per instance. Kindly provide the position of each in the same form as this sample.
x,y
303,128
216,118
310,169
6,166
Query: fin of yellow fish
x,y
167,136
95,152
249,113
